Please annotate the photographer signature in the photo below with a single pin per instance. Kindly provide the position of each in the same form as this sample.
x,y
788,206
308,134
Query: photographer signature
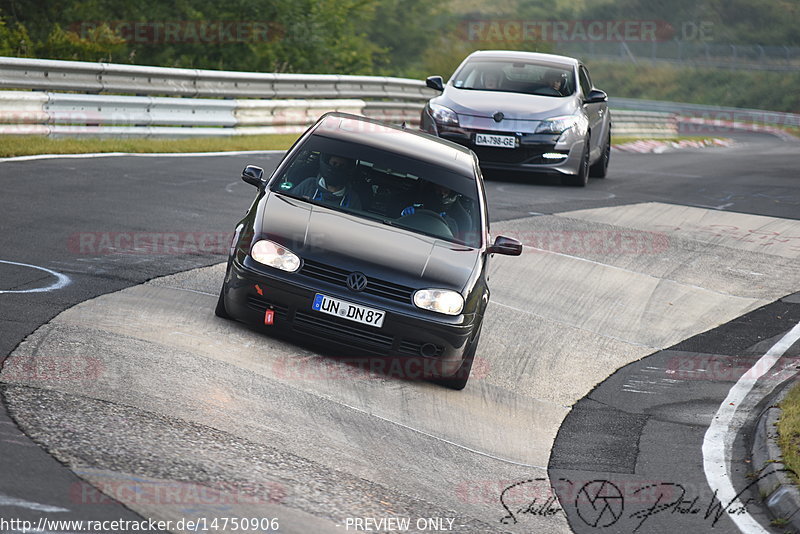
x,y
600,503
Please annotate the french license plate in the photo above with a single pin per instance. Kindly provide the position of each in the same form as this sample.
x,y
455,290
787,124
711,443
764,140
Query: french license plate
x,y
348,310
501,141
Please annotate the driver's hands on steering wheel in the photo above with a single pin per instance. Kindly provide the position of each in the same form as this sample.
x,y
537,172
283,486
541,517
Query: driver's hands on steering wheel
x,y
411,209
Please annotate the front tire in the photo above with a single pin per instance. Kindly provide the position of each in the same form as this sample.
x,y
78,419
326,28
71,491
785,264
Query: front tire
x,y
220,310
600,168
582,178
459,380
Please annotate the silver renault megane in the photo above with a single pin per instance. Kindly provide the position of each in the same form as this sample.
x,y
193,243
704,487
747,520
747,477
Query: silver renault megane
x,y
524,111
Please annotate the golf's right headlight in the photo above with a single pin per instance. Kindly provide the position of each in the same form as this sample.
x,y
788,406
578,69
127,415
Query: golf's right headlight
x,y
444,301
275,255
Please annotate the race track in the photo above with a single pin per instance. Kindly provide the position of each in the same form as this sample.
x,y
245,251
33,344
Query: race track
x,y
132,383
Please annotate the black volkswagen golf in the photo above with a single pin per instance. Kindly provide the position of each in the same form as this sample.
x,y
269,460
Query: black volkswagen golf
x,y
372,238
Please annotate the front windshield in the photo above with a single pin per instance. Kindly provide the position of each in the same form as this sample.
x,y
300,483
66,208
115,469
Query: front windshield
x,y
516,77
378,185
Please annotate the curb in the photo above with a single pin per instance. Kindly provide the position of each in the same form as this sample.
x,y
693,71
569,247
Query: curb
x,y
781,496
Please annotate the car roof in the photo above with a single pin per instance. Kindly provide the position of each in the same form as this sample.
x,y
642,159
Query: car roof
x,y
534,57
404,142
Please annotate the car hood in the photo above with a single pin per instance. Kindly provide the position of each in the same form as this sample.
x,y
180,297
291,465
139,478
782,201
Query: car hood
x,y
352,243
515,106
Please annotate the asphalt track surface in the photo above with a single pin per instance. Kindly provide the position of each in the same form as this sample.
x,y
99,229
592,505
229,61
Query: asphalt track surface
x,y
675,264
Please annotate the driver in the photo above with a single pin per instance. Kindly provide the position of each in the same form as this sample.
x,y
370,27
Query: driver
x,y
331,185
447,204
555,80
490,79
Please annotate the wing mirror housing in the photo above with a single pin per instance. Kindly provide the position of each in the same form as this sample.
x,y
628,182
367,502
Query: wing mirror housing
x,y
435,82
505,245
596,96
253,175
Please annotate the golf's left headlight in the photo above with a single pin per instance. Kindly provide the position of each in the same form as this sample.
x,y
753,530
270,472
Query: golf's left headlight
x,y
439,300
275,255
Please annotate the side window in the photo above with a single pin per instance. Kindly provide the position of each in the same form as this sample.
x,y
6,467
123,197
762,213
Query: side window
x,y
586,82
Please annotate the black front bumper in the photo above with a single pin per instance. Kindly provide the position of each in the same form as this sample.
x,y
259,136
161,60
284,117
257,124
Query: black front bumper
x,y
407,332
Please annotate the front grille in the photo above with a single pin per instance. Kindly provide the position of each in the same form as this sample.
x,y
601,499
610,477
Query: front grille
x,y
322,326
261,305
375,286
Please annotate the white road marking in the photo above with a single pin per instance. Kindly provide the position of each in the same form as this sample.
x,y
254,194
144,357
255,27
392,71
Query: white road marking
x,y
6,500
140,155
719,436
61,279
593,262
191,290
481,453
607,336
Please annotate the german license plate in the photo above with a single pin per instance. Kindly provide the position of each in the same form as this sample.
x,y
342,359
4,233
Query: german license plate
x,y
348,310
500,141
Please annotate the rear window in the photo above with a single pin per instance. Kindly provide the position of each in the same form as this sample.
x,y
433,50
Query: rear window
x,y
379,185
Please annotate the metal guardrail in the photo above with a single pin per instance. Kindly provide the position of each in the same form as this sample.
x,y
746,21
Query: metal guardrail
x,y
215,103
773,118
86,77
644,123
72,114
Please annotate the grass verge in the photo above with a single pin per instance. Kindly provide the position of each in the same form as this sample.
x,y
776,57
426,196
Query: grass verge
x,y
26,145
789,431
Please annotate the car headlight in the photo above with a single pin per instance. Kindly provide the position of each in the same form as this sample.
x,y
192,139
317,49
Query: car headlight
x,y
275,255
439,300
443,115
558,125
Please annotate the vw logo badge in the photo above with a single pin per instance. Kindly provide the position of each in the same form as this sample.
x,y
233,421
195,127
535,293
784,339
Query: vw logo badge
x,y
356,281
498,116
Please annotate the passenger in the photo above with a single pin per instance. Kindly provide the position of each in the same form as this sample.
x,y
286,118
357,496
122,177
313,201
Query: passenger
x,y
447,204
332,183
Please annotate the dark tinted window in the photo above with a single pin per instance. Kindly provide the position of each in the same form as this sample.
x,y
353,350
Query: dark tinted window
x,y
383,186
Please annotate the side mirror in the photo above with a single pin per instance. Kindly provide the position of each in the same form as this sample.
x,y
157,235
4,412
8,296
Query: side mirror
x,y
435,82
596,96
505,245
253,175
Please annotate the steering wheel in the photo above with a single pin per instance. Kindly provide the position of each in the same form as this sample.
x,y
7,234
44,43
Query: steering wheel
x,y
548,91
428,221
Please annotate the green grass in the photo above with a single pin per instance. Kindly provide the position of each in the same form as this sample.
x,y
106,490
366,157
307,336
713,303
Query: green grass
x,y
789,430
25,145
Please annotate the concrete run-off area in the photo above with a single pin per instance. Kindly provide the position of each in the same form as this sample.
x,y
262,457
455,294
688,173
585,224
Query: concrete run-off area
x,y
146,389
